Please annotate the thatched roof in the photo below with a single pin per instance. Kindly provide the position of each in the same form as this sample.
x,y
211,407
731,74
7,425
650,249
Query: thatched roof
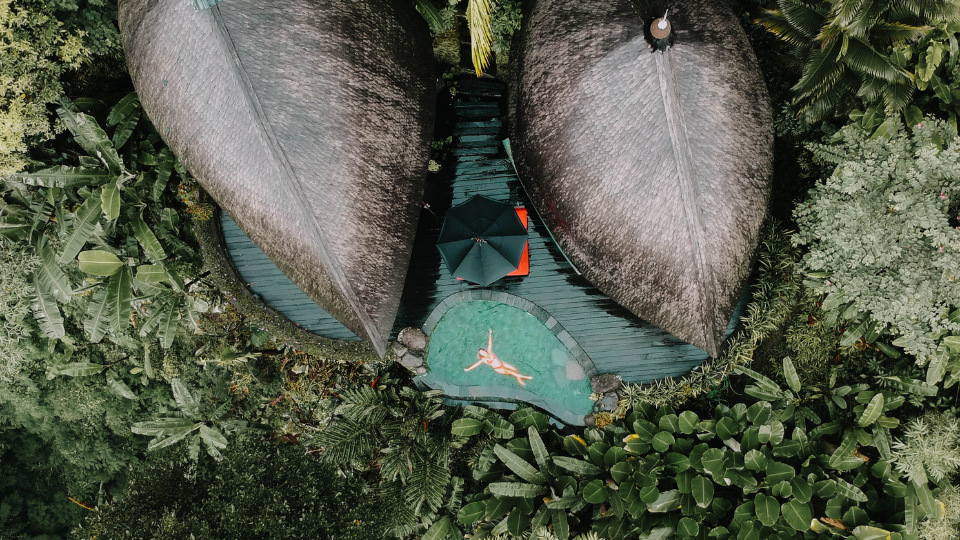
x,y
309,122
652,168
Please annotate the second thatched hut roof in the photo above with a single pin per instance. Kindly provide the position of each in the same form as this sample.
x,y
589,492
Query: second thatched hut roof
x,y
651,167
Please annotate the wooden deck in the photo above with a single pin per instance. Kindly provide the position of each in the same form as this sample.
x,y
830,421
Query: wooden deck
x,y
616,340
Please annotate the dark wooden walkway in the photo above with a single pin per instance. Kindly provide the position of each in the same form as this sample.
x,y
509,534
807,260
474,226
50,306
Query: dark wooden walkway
x,y
616,340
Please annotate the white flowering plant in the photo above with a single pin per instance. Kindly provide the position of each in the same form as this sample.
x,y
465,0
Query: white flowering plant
x,y
883,234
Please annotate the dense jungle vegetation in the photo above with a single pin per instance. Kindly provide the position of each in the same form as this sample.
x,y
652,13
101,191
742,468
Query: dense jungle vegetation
x,y
137,402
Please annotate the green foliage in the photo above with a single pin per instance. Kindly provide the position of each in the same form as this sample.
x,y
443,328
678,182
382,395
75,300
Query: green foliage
x,y
407,435
38,51
66,436
259,490
846,47
191,417
883,239
930,448
766,469
16,265
505,20
120,209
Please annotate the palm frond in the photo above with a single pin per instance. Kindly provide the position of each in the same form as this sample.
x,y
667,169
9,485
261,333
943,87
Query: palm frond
x,y
846,12
863,58
891,33
426,487
932,11
481,33
832,97
898,95
871,89
867,14
777,24
821,71
346,442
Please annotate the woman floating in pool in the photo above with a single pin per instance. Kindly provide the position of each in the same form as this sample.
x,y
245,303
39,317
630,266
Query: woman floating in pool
x,y
486,356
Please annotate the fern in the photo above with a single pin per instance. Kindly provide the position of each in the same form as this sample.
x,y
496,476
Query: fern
x,y
930,448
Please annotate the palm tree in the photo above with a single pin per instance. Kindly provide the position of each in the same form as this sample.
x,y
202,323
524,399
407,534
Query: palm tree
x,y
479,19
846,44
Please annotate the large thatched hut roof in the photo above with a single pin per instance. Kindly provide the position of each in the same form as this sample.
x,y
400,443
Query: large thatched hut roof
x,y
651,167
309,122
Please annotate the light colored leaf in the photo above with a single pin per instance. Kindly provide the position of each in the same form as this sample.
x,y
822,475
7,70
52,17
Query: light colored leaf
x,y
519,467
160,426
872,411
79,369
536,445
466,427
170,438
97,321
167,324
110,201
91,138
46,311
151,273
472,512
213,437
118,386
438,531
577,466
50,278
516,489
63,176
83,227
184,398
151,246
118,298
99,263
668,501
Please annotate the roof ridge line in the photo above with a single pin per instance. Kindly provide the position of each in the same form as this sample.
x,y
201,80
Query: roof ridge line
x,y
676,127
286,170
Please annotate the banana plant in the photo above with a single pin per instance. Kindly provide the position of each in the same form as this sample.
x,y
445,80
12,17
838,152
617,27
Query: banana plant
x,y
192,420
105,213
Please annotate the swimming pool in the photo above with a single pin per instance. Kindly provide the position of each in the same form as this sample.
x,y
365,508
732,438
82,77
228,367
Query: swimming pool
x,y
558,382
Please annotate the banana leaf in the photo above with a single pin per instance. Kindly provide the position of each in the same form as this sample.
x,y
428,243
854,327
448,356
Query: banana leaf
x,y
91,138
82,229
46,311
63,177
50,278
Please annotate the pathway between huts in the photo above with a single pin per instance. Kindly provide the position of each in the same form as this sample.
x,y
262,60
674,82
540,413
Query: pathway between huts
x,y
616,340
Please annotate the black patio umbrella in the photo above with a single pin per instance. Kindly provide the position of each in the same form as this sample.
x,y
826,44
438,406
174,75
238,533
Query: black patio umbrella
x,y
482,240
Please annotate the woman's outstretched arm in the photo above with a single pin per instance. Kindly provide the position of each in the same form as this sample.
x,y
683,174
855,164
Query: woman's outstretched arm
x,y
490,342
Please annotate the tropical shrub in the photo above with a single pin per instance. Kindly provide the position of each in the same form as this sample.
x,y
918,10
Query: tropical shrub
x,y
118,208
259,490
930,448
846,44
772,469
884,240
37,53
404,434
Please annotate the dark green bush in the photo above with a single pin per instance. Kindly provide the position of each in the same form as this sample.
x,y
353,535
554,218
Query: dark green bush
x,y
260,490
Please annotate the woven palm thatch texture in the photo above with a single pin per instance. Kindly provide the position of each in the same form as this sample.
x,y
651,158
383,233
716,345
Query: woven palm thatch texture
x,y
309,122
652,168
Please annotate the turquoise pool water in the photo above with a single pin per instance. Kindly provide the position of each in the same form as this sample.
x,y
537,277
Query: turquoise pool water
x,y
558,383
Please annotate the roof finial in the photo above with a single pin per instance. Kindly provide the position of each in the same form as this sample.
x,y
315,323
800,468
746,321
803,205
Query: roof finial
x,y
663,24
